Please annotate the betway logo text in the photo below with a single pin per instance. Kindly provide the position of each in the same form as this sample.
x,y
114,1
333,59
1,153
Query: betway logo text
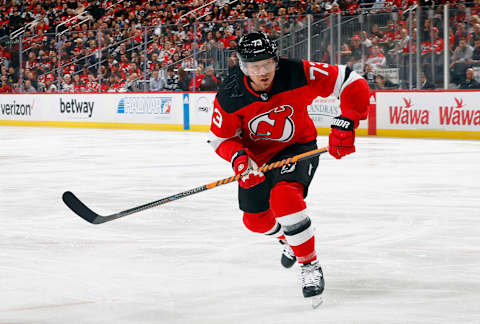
x,y
16,109
76,107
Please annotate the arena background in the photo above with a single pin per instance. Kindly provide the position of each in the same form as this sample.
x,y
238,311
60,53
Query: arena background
x,y
395,221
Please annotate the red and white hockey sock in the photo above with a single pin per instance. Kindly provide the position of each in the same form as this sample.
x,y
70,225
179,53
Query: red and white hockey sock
x,y
287,202
276,232
263,223
299,235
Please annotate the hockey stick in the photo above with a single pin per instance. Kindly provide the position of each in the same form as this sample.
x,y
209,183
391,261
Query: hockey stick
x,y
90,216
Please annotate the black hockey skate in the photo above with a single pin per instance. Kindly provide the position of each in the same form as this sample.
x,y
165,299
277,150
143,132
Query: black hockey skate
x,y
313,282
288,257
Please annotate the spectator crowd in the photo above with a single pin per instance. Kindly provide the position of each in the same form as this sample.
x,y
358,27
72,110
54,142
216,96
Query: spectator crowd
x,y
187,45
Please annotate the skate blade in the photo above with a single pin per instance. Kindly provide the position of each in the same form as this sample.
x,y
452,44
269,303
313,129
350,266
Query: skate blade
x,y
317,301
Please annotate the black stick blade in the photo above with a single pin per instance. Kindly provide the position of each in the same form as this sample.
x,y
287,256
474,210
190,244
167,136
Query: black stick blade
x,y
80,209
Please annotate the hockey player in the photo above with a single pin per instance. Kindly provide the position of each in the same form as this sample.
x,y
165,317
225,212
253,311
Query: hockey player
x,y
260,116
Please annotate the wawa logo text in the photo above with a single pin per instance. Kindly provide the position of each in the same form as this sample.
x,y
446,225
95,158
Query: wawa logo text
x,y
458,114
408,114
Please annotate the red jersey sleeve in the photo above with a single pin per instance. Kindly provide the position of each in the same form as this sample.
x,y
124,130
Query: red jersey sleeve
x,y
225,131
341,82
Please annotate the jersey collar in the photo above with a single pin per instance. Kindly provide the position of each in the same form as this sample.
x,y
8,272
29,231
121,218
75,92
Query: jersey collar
x,y
263,95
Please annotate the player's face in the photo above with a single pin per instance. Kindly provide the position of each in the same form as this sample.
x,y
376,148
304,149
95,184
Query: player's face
x,y
261,73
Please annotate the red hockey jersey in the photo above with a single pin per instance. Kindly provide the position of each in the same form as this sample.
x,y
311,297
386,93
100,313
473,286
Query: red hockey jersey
x,y
264,123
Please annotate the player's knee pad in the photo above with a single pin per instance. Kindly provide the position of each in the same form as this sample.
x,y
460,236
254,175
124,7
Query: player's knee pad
x,y
287,202
287,198
297,228
263,222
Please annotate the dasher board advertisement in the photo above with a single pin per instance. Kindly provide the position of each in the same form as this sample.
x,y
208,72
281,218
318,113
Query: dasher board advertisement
x,y
452,111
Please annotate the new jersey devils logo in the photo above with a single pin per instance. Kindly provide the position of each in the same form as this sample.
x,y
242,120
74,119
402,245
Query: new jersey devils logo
x,y
275,125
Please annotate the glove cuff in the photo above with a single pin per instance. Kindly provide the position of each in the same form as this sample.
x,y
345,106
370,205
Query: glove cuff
x,y
343,123
236,155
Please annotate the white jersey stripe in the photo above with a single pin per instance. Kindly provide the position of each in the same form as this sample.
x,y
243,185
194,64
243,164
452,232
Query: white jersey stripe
x,y
351,78
339,81
215,140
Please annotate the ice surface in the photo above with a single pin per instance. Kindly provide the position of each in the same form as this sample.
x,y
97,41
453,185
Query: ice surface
x,y
397,223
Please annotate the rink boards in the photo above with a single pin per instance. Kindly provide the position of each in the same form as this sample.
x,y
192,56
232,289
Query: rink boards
x,y
436,114
442,114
